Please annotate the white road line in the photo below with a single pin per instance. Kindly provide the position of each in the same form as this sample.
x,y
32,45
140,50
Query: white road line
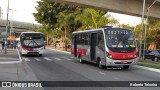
x,y
147,68
117,78
63,57
48,59
57,58
102,73
68,59
72,57
37,59
26,59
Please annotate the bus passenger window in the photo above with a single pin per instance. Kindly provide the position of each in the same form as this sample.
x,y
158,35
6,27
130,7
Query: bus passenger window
x,y
101,42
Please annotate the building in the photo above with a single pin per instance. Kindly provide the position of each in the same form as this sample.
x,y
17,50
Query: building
x,y
1,13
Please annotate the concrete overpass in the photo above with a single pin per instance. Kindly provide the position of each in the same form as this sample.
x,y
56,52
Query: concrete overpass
x,y
16,30
17,27
129,7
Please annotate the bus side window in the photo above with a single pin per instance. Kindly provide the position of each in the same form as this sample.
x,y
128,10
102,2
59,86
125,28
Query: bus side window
x,y
101,44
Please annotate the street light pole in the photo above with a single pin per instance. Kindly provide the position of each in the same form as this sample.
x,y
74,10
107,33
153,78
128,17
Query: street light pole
x,y
11,31
142,27
146,27
7,29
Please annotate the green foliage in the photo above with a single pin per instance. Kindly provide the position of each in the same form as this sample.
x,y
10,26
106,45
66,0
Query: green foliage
x,y
59,18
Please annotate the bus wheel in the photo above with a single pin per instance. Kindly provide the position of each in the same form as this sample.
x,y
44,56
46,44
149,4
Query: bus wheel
x,y
40,55
100,64
21,54
80,59
125,67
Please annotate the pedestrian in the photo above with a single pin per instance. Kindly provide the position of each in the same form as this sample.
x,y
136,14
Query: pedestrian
x,y
2,45
55,45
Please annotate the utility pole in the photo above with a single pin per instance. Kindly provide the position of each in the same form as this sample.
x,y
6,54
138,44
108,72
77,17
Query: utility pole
x,y
142,29
11,32
7,27
147,24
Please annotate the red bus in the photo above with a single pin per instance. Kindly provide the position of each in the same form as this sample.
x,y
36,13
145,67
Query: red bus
x,y
105,47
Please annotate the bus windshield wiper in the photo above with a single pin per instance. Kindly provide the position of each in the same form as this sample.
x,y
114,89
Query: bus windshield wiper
x,y
29,43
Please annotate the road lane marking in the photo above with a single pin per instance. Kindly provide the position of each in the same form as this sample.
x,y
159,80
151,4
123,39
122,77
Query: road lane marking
x,y
48,59
57,58
68,59
37,59
63,57
102,73
72,57
26,59
117,78
147,68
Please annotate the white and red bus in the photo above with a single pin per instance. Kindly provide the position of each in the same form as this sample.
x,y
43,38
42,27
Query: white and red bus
x,y
31,43
105,46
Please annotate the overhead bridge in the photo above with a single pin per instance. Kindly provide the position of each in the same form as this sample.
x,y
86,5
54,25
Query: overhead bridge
x,y
129,7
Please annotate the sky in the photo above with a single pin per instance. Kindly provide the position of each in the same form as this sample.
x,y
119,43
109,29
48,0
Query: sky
x,y
23,9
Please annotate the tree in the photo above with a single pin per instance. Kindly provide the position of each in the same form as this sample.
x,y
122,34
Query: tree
x,y
46,31
153,34
69,18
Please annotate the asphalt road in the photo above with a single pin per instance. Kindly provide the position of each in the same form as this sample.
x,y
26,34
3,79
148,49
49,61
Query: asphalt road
x,y
60,66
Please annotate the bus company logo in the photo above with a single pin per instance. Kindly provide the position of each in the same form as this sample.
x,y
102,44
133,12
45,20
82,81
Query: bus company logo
x,y
124,56
6,84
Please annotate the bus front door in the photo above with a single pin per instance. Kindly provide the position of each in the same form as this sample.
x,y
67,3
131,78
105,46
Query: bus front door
x,y
93,46
75,46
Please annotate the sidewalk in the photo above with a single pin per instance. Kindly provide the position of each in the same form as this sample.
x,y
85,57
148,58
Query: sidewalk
x,y
15,71
12,55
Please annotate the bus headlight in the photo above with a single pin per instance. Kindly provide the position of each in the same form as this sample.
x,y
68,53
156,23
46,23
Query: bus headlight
x,y
109,55
136,55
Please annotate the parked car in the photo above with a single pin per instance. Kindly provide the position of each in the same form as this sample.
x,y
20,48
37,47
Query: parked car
x,y
156,54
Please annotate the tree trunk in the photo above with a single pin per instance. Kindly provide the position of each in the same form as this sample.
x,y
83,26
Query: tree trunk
x,y
65,38
47,40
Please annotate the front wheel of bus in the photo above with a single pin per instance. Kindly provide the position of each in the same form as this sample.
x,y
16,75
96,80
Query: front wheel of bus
x,y
100,64
80,59
40,55
125,67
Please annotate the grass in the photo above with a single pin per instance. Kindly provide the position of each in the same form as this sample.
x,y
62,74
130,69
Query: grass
x,y
149,63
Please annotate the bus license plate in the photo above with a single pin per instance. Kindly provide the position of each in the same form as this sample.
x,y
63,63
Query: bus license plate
x,y
124,62
35,49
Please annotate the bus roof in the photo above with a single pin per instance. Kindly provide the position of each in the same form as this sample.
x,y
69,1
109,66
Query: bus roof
x,y
100,29
88,30
30,32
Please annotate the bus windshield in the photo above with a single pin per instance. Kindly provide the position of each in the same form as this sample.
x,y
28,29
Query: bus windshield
x,y
32,41
121,39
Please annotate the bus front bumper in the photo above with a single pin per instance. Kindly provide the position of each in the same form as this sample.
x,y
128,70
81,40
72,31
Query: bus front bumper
x,y
112,62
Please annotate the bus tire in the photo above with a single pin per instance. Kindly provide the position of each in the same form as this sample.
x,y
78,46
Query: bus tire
x,y
126,67
81,60
100,64
40,55
21,54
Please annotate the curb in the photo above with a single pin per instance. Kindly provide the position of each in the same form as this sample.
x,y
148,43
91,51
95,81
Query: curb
x,y
147,68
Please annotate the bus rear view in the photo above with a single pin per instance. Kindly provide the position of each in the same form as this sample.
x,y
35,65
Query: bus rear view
x,y
105,47
31,43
